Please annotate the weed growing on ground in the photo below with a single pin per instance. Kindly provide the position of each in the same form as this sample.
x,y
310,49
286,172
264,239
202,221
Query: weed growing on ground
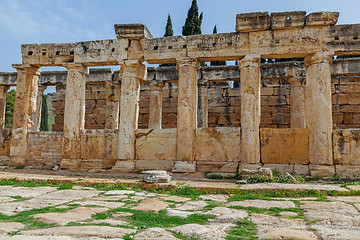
x,y
19,166
65,186
244,229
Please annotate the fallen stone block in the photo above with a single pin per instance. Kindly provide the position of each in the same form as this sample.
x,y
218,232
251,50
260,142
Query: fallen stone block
x,y
156,177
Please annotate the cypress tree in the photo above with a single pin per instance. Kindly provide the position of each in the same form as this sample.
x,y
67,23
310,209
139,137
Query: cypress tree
x,y
44,123
169,29
9,110
193,21
217,63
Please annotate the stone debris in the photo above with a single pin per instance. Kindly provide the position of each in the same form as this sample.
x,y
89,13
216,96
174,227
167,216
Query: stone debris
x,y
292,179
154,234
74,215
18,209
265,172
151,205
156,176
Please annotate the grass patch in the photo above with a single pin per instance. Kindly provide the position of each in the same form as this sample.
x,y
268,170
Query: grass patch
x,y
145,220
245,229
19,166
65,186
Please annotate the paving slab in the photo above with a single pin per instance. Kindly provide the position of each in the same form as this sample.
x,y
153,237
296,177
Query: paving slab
x,y
221,198
287,233
226,215
26,192
80,231
333,233
151,205
174,198
203,232
192,206
99,203
288,186
6,227
154,234
262,204
74,215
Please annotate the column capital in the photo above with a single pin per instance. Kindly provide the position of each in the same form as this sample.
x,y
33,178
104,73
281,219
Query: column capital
x,y
41,88
319,57
296,81
77,67
156,85
35,70
250,60
4,88
134,68
192,62
203,82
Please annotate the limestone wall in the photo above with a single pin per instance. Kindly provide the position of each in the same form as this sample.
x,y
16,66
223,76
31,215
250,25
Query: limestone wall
x,y
5,137
44,149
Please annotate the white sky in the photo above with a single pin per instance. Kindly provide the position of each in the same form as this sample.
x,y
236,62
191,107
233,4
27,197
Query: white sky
x,y
40,21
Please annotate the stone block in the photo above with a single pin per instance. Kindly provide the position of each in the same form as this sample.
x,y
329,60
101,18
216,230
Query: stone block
x,y
91,164
184,167
281,20
218,144
157,144
124,166
282,146
321,170
283,168
256,21
70,164
132,31
156,176
347,171
154,164
346,147
221,167
266,172
301,170
322,18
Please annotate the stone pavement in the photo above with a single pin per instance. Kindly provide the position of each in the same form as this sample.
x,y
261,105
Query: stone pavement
x,y
83,212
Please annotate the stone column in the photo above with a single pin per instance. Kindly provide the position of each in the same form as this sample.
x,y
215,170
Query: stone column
x,y
112,105
202,113
250,109
3,91
155,108
318,107
186,117
297,102
36,116
132,71
74,114
25,105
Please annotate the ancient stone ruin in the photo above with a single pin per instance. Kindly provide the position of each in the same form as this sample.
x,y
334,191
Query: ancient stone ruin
x,y
299,117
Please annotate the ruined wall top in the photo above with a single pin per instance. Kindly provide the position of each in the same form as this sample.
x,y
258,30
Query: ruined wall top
x,y
275,35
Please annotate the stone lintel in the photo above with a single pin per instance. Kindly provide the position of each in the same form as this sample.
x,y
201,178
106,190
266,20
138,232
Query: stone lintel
x,y
132,31
322,18
256,21
319,57
282,20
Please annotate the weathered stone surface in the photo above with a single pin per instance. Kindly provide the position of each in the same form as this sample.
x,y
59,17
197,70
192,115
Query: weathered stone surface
x,y
262,204
256,21
202,232
283,20
119,192
74,215
6,227
226,215
286,233
156,176
282,146
331,233
347,171
266,172
81,231
151,205
215,197
346,147
177,213
192,205
321,170
175,198
154,233
182,166
322,18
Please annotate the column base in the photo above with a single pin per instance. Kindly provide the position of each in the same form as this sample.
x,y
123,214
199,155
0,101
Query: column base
x,y
17,161
184,167
322,170
124,166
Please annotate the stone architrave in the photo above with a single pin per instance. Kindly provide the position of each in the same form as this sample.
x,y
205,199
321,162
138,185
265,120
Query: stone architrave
x,y
187,114
74,113
155,109
112,105
297,102
318,106
25,106
3,91
202,113
132,71
250,108
36,116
